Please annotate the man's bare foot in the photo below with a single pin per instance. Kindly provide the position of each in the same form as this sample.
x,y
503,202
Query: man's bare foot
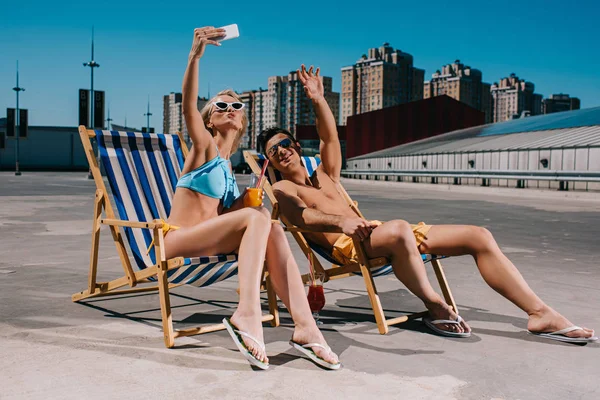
x,y
252,325
312,334
441,310
548,320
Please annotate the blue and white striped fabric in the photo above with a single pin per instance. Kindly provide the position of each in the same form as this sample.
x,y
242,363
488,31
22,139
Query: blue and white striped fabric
x,y
310,163
142,170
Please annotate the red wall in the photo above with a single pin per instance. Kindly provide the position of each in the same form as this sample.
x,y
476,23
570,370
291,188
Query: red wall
x,y
392,126
309,132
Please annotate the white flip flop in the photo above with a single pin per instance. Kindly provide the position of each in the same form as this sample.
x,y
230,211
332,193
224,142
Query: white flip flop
x,y
561,337
236,335
306,349
431,325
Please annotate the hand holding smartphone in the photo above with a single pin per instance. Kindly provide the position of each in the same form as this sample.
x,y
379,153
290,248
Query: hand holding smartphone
x,y
231,32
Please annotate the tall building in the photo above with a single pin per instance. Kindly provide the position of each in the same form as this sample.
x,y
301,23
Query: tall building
x,y
514,97
462,83
255,110
173,120
259,113
248,100
286,104
384,78
172,116
560,102
276,101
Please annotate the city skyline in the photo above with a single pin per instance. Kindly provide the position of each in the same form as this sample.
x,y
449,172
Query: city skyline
x,y
140,61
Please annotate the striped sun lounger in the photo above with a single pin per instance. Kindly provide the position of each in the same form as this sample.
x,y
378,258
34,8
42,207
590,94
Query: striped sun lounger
x,y
142,170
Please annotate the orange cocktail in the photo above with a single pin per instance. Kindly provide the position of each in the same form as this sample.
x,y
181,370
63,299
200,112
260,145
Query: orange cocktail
x,y
253,197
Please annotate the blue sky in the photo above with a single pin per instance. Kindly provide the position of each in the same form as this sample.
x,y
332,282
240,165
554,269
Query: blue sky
x,y
142,46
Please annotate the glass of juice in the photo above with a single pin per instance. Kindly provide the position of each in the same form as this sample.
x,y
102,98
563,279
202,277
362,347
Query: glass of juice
x,y
254,195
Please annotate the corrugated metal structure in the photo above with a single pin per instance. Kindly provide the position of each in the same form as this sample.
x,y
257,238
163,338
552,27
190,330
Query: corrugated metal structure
x,y
560,150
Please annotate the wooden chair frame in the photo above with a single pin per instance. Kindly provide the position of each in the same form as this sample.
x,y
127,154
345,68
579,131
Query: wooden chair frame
x,y
159,270
364,265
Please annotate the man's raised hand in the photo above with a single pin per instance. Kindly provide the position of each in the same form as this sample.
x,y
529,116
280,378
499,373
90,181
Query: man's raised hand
x,y
313,86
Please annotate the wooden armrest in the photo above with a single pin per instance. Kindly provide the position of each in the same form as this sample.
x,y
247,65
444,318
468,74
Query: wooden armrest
x,y
176,262
131,224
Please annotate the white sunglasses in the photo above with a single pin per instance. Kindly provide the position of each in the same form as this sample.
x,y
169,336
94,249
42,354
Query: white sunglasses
x,y
222,105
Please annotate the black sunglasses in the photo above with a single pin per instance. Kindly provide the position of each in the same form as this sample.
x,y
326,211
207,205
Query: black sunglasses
x,y
285,143
223,106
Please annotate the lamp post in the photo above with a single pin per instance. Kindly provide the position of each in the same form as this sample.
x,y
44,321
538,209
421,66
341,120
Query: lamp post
x,y
17,123
92,64
147,115
108,119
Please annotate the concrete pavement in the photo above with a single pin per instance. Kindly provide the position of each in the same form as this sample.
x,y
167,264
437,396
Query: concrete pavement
x,y
112,348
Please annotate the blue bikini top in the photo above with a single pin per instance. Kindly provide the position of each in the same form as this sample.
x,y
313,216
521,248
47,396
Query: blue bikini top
x,y
213,179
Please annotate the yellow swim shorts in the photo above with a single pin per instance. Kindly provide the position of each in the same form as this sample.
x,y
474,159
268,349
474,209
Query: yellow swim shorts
x,y
345,253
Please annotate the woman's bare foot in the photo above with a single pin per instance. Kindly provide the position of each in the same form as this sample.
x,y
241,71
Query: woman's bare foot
x,y
547,320
252,325
441,310
312,334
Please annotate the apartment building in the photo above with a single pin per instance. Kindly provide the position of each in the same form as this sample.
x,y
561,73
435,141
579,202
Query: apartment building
x,y
382,78
462,83
513,97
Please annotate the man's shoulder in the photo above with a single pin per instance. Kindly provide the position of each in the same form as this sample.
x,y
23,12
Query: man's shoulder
x,y
323,173
285,186
323,176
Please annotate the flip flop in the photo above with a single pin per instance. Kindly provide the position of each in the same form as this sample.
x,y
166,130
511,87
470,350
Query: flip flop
x,y
236,335
561,337
431,325
306,349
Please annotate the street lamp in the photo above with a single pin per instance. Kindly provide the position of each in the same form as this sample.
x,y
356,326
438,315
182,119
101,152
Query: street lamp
x,y
17,123
147,115
108,119
92,64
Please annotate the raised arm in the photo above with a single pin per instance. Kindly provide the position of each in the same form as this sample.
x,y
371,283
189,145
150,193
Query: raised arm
x,y
330,149
193,120
299,214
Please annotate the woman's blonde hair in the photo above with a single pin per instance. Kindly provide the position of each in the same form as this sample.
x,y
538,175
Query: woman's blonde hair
x,y
207,110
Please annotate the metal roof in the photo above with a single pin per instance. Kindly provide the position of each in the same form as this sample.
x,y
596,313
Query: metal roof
x,y
559,130
565,119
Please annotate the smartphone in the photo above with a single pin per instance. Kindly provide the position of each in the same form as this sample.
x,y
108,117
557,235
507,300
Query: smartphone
x,y
231,32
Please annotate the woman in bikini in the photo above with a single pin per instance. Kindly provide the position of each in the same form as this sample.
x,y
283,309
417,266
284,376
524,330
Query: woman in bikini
x,y
208,211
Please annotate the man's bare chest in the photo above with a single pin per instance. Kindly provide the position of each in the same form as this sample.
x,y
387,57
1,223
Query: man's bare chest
x,y
322,196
